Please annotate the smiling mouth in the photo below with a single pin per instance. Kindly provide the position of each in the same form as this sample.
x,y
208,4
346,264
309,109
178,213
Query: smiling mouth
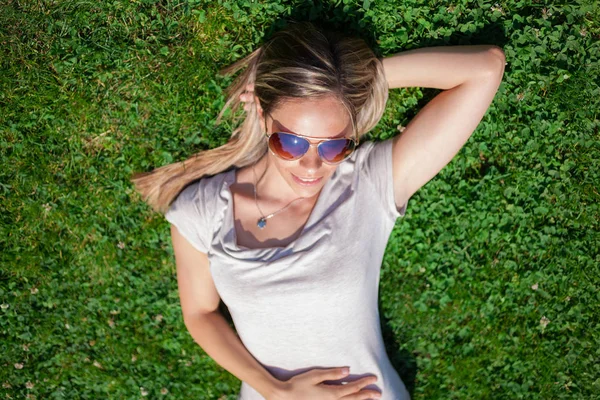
x,y
304,181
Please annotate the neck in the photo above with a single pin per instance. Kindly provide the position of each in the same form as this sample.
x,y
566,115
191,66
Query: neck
x,y
271,186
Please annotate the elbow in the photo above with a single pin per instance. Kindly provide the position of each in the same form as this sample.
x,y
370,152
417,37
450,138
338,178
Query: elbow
x,y
496,60
498,54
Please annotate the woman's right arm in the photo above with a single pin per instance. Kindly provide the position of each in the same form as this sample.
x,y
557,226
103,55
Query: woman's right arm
x,y
199,305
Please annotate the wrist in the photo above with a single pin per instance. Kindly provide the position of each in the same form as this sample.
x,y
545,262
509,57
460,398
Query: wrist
x,y
272,389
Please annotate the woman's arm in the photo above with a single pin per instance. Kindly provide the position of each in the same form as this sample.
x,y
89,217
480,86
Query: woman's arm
x,y
208,327
441,67
212,332
470,77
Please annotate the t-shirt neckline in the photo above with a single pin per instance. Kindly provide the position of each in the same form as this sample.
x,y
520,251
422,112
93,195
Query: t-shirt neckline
x,y
230,217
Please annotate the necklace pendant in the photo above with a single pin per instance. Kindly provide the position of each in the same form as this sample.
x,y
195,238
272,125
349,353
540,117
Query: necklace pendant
x,y
262,223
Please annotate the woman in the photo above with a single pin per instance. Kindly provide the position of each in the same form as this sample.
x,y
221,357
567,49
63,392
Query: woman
x,y
290,219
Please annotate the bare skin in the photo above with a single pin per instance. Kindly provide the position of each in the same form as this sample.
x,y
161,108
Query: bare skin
x,y
319,118
309,386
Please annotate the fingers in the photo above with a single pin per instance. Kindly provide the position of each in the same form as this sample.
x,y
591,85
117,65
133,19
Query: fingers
x,y
352,390
363,395
329,374
247,97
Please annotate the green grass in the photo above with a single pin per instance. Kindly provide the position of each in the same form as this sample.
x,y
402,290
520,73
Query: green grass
x,y
490,286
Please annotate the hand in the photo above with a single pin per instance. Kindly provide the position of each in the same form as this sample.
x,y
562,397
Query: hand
x,y
248,98
309,385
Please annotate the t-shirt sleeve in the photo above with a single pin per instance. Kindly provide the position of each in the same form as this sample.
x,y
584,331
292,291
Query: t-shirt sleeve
x,y
377,169
188,212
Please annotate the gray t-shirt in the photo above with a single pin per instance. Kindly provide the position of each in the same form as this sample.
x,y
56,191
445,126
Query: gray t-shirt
x,y
312,303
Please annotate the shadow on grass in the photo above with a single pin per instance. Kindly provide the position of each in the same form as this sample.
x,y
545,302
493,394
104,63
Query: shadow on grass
x,y
402,360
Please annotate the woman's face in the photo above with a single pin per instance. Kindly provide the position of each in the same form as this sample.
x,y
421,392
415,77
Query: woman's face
x,y
319,118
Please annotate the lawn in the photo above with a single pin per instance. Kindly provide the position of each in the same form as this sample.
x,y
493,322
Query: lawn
x,y
490,288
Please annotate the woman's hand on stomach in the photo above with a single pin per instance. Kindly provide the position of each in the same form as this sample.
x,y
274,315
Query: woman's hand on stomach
x,y
309,385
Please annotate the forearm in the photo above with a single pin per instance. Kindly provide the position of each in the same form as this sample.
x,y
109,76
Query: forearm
x,y
443,67
220,342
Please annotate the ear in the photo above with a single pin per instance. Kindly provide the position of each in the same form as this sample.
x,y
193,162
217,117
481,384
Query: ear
x,y
260,112
258,107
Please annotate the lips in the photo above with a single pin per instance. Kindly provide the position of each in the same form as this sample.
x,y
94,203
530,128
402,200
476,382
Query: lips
x,y
306,181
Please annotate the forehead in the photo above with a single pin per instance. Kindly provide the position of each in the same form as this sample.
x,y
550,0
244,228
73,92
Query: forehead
x,y
324,117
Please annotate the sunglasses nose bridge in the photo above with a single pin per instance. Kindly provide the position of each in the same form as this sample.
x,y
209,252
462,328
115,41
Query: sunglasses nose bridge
x,y
311,160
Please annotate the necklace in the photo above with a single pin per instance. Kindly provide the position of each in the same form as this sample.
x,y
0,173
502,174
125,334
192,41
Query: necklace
x,y
262,221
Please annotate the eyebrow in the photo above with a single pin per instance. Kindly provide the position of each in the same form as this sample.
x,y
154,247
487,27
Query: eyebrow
x,y
338,136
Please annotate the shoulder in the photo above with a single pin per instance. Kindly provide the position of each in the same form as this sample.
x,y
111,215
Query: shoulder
x,y
374,162
199,196
369,158
203,188
371,153
366,148
194,209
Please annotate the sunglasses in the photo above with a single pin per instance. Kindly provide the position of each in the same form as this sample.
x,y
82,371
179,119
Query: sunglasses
x,y
290,147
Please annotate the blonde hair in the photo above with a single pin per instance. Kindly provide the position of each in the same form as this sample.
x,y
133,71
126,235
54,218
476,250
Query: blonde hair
x,y
299,61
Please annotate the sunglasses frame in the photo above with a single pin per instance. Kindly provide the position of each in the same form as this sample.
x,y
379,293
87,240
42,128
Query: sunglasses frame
x,y
321,141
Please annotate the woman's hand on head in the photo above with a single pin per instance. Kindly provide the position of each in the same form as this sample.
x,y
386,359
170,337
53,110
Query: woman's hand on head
x,y
248,98
309,385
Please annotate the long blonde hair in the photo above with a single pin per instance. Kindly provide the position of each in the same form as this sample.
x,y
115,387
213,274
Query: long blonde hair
x,y
299,61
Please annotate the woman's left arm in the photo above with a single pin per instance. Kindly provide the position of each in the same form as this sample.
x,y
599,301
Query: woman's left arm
x,y
470,77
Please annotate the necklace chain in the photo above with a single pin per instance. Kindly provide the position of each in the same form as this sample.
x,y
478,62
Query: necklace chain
x,y
262,222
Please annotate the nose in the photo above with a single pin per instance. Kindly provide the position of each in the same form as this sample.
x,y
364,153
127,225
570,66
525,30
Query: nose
x,y
311,162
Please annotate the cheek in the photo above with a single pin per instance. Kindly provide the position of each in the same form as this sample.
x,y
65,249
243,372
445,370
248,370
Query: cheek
x,y
328,170
284,167
281,165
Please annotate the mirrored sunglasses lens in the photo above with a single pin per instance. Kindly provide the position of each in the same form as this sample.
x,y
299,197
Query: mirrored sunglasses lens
x,y
334,151
288,147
